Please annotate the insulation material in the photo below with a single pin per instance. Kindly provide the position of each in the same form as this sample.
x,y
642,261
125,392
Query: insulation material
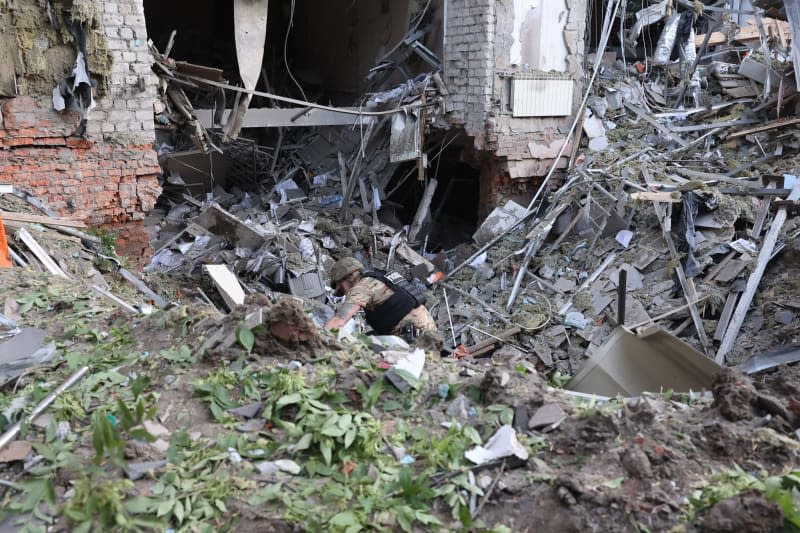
x,y
678,32
646,17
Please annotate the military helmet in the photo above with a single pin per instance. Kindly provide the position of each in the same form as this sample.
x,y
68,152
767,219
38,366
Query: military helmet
x,y
343,268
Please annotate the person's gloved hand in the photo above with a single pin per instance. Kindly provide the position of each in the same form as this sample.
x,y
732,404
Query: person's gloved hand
x,y
336,322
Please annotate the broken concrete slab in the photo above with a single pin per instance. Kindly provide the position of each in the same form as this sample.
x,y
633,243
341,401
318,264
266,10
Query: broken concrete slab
x,y
24,351
547,415
499,221
218,221
635,281
227,284
628,365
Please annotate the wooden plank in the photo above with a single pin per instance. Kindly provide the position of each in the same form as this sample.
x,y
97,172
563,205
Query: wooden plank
x,y
725,317
227,284
486,345
39,219
40,253
763,211
774,124
712,125
689,291
663,197
422,209
755,277
747,33
731,270
8,74
268,117
719,266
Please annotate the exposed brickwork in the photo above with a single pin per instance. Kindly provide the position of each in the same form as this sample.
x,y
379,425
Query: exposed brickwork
x,y
109,177
469,63
124,113
517,152
99,182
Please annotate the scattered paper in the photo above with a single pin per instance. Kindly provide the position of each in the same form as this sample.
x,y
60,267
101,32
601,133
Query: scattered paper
x,y
502,444
624,237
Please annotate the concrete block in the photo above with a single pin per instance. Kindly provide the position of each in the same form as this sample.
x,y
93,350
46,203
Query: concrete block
x,y
498,221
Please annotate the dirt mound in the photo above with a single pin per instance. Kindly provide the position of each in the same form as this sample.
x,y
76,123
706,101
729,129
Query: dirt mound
x,y
734,395
748,512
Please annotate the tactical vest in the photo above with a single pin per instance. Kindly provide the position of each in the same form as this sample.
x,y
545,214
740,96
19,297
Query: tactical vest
x,y
385,317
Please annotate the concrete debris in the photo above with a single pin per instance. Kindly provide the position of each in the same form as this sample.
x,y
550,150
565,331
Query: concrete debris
x,y
590,291
17,450
547,415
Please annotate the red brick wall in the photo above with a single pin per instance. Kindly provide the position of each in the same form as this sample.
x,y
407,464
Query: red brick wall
x,y
102,183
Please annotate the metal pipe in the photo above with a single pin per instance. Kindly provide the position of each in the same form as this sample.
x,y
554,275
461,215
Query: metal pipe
x,y
622,292
12,432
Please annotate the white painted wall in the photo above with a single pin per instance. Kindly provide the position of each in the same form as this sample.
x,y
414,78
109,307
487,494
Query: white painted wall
x,y
538,40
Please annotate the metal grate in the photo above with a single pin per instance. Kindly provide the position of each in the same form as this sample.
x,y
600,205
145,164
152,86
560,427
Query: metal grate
x,y
541,96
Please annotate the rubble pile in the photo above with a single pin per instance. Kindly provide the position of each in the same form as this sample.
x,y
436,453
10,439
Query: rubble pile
x,y
587,378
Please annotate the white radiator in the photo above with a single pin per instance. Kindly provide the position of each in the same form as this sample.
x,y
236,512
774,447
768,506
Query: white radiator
x,y
550,97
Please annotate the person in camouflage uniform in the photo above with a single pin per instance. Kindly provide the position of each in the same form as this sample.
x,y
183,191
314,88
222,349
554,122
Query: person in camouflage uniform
x,y
368,293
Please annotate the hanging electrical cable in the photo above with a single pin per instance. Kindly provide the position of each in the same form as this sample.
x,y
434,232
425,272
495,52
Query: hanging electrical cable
x,y
285,55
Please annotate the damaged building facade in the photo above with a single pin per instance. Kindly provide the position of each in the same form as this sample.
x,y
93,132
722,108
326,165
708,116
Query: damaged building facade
x,y
511,73
107,174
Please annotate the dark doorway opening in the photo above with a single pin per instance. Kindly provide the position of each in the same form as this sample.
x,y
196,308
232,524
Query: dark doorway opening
x,y
454,209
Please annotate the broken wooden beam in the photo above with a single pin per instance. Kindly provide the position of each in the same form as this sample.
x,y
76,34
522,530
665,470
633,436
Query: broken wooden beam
x,y
708,176
422,210
39,219
755,278
673,197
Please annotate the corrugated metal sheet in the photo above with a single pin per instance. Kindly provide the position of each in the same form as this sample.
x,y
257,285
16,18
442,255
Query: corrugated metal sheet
x,y
547,97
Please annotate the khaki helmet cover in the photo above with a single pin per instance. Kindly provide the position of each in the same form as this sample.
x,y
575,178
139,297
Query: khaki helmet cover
x,y
343,268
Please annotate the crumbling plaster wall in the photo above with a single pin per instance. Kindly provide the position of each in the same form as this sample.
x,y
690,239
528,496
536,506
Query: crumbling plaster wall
x,y
107,177
486,43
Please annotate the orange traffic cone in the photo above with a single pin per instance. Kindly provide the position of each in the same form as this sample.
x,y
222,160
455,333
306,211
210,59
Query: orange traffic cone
x,y
5,255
